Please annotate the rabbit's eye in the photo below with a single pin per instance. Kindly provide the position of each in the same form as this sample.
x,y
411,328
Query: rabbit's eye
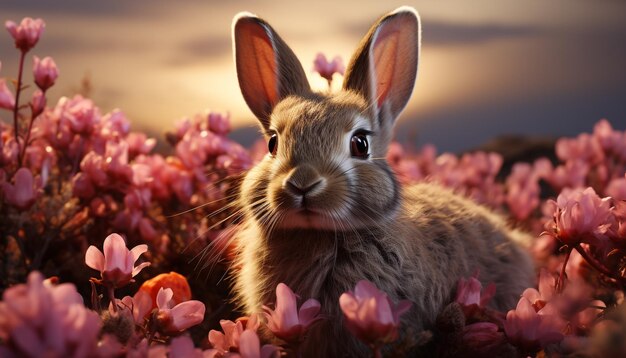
x,y
359,147
272,145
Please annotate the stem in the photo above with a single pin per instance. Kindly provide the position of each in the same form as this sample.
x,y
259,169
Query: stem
x,y
598,266
111,292
559,285
30,127
42,252
18,90
76,164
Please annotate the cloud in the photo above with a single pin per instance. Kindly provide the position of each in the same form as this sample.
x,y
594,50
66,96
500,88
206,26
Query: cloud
x,y
441,33
201,49
446,33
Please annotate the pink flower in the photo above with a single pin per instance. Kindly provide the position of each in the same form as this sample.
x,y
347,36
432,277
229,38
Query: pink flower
x,y
468,295
139,143
250,346
581,216
173,320
116,265
285,321
138,306
7,101
370,315
327,69
37,103
523,190
81,114
219,123
45,72
39,319
27,33
23,194
539,298
229,340
482,339
182,347
530,330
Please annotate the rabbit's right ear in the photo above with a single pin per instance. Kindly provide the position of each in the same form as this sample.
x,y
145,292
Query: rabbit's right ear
x,y
267,69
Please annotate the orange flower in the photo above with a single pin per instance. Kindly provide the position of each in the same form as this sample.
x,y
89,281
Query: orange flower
x,y
173,280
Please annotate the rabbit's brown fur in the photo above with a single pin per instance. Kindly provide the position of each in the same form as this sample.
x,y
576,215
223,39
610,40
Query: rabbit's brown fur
x,y
356,222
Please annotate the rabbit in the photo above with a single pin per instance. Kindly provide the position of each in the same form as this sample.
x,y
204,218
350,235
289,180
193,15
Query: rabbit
x,y
323,209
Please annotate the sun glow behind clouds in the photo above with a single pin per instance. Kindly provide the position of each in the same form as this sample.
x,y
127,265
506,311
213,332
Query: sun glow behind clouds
x,y
159,62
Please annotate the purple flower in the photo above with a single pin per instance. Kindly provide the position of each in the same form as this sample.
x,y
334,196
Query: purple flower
x,y
39,319
23,194
175,319
7,101
532,330
581,216
286,321
45,72
117,264
328,69
27,33
370,315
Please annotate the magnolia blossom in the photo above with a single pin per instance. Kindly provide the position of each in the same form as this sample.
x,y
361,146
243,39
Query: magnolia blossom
x,y
328,69
229,340
219,123
532,330
45,72
38,103
370,315
250,346
116,265
522,195
286,321
539,298
40,319
482,339
581,216
7,101
27,33
468,292
23,193
175,319
182,347
138,306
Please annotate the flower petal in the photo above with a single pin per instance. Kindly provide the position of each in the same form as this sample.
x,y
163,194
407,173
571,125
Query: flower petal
x,y
164,297
309,311
94,258
138,251
188,314
249,344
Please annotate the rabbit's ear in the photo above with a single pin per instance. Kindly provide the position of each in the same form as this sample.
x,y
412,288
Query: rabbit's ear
x,y
384,67
267,69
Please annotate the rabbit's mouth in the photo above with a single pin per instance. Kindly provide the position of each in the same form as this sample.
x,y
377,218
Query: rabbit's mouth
x,y
305,218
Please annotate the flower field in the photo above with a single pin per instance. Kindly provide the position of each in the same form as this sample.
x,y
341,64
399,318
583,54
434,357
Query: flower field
x,y
111,249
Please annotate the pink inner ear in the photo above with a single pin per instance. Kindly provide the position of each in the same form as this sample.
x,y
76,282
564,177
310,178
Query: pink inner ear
x,y
266,67
256,66
385,56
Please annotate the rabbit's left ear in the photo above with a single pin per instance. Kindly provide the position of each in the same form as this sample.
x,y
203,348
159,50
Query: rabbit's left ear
x,y
384,67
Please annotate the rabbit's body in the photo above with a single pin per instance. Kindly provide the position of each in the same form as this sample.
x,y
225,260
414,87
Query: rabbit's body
x,y
323,209
419,254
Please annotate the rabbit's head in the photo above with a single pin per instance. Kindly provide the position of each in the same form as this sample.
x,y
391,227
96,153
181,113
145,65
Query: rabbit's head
x,y
325,168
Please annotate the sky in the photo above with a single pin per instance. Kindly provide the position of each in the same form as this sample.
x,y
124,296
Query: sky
x,y
487,68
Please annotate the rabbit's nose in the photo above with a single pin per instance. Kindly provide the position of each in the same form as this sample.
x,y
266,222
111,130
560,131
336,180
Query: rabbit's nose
x,y
303,180
296,189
